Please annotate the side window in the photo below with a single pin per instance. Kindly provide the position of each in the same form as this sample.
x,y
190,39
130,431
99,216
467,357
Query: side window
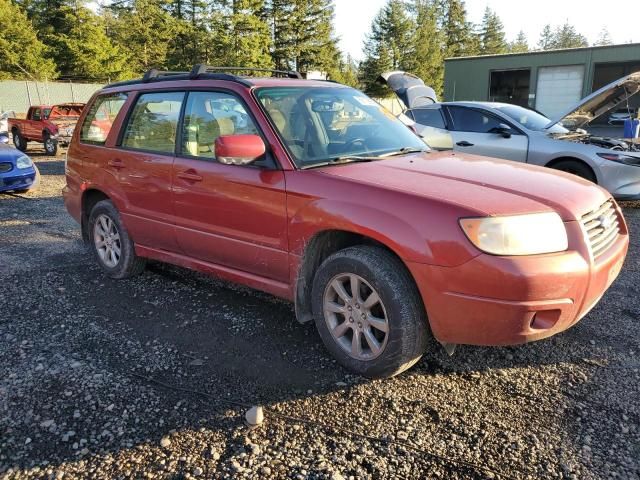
x,y
430,117
36,114
470,120
209,115
154,121
97,124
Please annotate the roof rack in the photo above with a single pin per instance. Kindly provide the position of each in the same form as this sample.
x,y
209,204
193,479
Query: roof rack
x,y
154,74
201,69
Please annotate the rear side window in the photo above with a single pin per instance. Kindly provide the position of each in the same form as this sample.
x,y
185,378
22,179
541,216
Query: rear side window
x,y
153,123
430,117
100,117
470,120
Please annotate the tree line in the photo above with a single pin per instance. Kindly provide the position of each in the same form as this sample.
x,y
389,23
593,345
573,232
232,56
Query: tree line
x,y
66,39
417,35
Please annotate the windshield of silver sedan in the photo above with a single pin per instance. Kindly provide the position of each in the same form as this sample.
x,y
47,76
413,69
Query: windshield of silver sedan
x,y
335,125
530,119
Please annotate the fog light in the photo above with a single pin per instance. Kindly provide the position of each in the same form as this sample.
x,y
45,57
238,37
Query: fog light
x,y
545,319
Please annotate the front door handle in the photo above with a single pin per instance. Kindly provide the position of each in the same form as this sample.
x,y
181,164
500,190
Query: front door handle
x,y
116,163
464,143
190,176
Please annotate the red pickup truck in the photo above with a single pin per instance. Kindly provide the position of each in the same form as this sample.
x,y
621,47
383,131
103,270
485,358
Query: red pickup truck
x,y
50,125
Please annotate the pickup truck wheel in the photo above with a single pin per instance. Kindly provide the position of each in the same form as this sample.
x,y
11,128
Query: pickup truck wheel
x,y
576,168
111,244
369,312
50,145
19,142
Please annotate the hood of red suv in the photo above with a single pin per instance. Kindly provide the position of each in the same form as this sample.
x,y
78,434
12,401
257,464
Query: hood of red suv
x,y
486,185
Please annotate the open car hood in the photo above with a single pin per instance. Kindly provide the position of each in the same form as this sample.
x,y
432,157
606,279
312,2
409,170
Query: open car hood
x,y
411,90
599,102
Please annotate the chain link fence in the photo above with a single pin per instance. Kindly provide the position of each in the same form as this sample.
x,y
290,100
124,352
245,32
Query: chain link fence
x,y
19,95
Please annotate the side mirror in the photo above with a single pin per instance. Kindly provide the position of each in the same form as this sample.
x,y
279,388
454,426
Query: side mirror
x,y
239,149
503,129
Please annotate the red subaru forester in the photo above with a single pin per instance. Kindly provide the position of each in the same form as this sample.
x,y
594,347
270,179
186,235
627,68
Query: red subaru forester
x,y
311,191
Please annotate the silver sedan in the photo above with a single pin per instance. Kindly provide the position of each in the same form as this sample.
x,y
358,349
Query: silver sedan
x,y
516,133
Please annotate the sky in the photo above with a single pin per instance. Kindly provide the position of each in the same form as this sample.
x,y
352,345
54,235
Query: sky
x,y
353,19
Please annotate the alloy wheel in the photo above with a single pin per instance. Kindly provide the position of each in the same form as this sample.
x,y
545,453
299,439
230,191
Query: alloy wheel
x,y
355,316
107,240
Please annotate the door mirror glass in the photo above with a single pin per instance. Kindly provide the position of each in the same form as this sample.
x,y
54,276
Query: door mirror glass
x,y
239,149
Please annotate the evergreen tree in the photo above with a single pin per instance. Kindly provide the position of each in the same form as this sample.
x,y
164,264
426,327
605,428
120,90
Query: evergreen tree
x,y
84,50
389,46
378,60
23,55
547,38
492,35
603,38
460,38
242,36
520,45
147,32
428,45
566,36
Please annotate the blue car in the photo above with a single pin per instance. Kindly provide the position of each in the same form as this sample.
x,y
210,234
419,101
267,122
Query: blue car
x,y
17,171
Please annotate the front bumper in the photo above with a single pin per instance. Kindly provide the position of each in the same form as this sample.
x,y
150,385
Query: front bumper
x,y
622,181
493,300
18,180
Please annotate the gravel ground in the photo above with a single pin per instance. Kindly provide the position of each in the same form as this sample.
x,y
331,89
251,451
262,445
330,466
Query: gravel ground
x,y
151,378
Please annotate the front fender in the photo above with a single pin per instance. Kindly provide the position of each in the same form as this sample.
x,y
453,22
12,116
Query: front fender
x,y
405,239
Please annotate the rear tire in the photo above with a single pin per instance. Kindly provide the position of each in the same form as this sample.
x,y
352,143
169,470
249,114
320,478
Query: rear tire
x,y
576,168
352,327
113,248
19,141
50,145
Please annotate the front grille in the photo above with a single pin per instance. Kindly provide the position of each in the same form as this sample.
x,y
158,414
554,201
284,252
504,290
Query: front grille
x,y
601,227
5,167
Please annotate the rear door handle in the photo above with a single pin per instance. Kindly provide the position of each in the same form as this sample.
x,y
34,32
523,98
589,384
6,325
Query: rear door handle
x,y
190,176
116,163
464,143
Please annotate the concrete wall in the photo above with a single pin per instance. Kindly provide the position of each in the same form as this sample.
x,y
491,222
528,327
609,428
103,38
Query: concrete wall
x,y
468,78
18,95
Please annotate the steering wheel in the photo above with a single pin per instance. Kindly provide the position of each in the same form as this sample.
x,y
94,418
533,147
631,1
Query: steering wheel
x,y
354,141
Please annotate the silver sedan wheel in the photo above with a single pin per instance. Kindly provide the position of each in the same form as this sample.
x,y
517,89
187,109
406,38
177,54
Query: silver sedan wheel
x,y
107,240
355,316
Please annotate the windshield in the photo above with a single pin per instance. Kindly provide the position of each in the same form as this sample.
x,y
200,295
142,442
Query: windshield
x,y
321,124
530,119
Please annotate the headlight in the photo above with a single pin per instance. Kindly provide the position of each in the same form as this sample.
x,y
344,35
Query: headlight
x,y
529,234
621,158
24,162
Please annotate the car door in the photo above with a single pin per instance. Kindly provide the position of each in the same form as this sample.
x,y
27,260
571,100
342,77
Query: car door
x,y
477,131
142,164
431,125
229,215
32,125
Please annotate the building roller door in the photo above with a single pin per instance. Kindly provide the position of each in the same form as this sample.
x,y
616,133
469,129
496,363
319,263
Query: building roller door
x,y
559,88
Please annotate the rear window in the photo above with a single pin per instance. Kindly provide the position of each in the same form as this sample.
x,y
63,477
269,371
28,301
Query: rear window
x,y
97,124
430,117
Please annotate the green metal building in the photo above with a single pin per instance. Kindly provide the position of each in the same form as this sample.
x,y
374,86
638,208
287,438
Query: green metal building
x,y
549,81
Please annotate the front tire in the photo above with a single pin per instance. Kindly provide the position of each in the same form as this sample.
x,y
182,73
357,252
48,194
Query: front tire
x,y
576,168
113,248
19,141
50,145
369,312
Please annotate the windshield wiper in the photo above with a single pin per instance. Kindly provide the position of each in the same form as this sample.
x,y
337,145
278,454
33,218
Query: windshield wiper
x,y
404,151
340,160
